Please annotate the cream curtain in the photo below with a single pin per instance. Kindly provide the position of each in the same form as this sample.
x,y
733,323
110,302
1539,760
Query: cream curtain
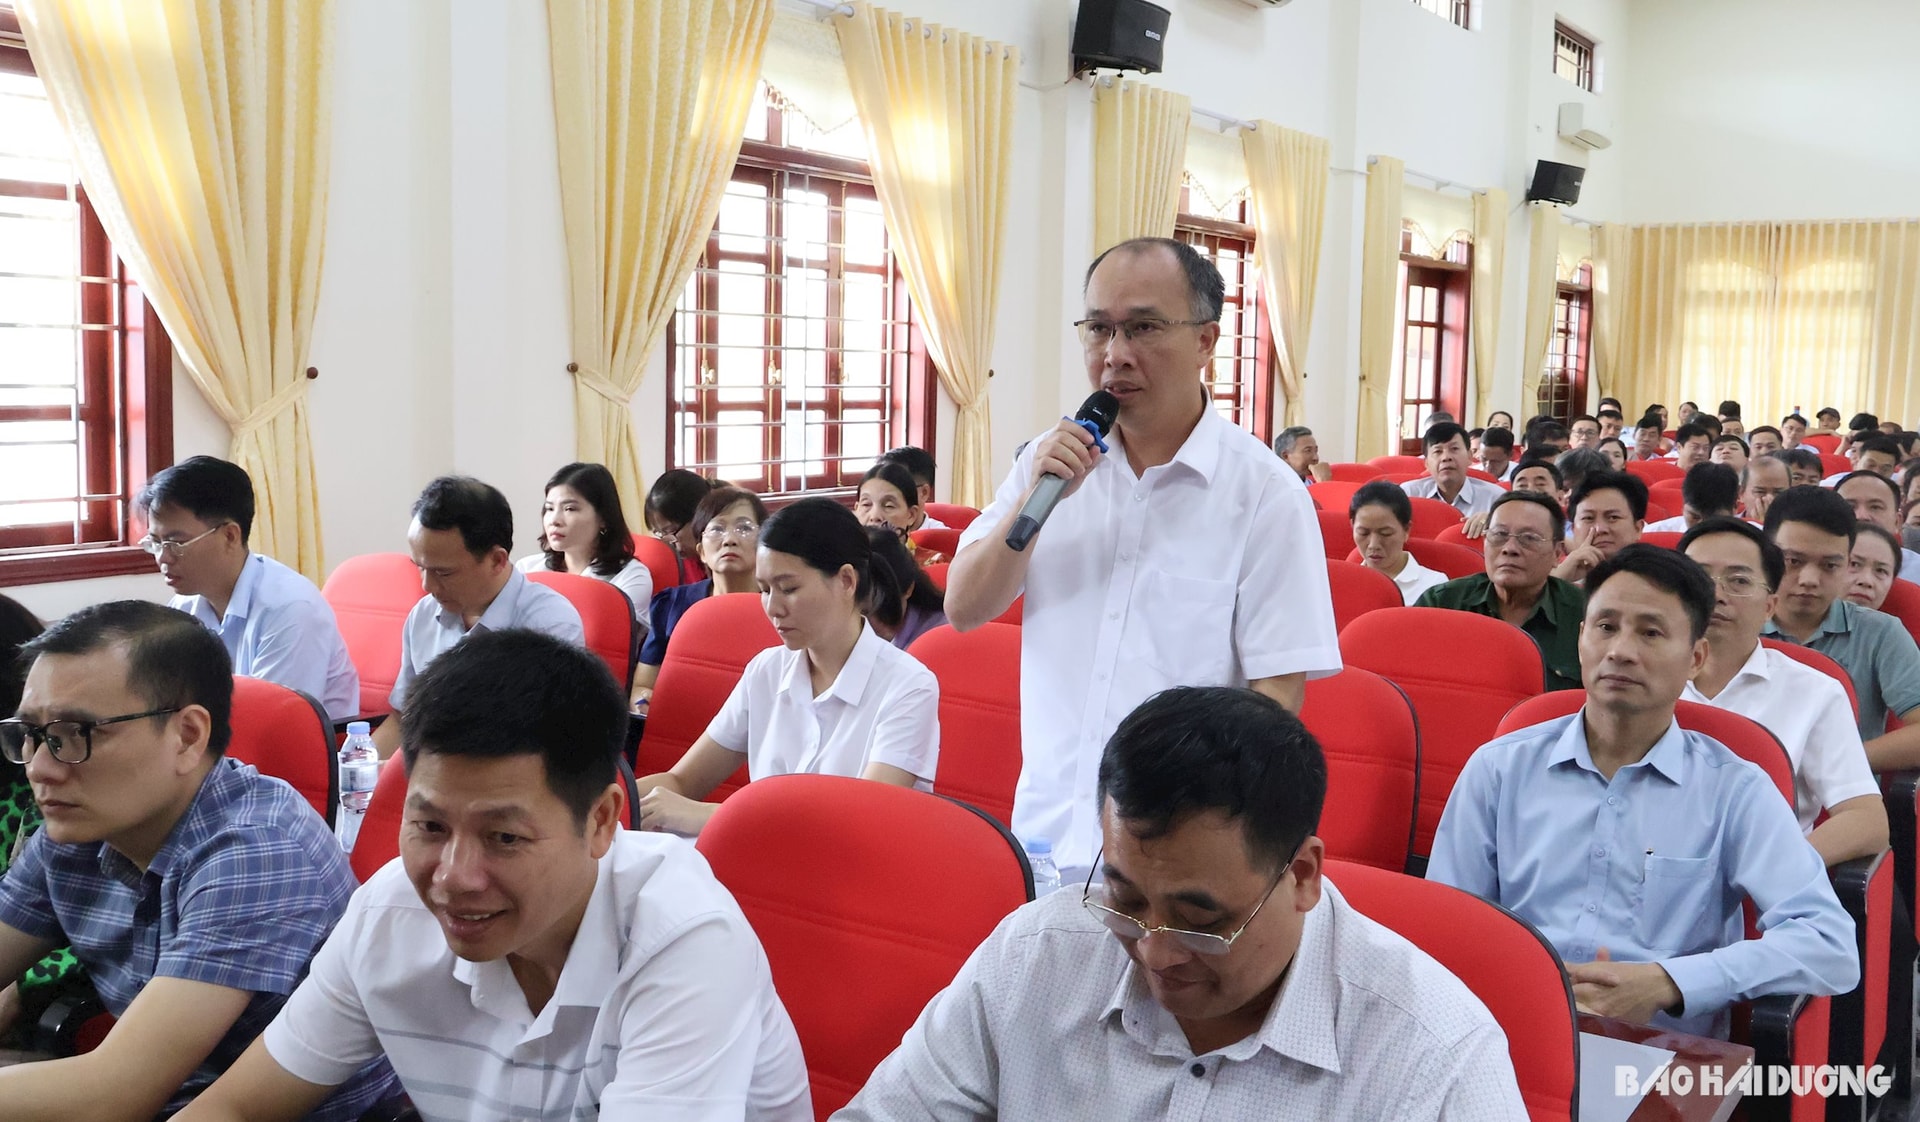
x,y
1287,176
937,105
1774,315
201,129
1612,265
1139,150
1379,292
1489,281
650,99
1543,250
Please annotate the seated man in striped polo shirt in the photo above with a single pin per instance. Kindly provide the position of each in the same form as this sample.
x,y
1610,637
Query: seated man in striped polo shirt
x,y
524,957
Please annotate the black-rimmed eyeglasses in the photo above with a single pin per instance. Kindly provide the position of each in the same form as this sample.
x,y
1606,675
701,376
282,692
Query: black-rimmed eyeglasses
x,y
71,742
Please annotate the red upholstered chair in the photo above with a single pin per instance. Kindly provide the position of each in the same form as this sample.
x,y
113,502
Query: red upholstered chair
x,y
1825,443
847,879
287,735
979,676
1458,700
1665,539
662,563
1485,476
1507,964
937,573
1430,516
1457,535
1415,464
1903,603
1333,495
370,596
1668,493
606,615
1455,561
940,541
1654,470
953,514
1371,740
1834,464
1659,513
1336,533
706,654
1403,476
379,838
1354,473
1358,590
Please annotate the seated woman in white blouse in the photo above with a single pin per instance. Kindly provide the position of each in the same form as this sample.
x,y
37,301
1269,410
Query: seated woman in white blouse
x,y
833,699
583,531
1381,517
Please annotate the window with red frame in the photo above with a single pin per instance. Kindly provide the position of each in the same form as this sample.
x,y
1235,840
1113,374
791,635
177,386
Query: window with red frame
x,y
1563,381
1241,382
793,355
1455,12
1430,351
86,409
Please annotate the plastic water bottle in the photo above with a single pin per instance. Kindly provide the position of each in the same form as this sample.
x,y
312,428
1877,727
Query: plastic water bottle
x,y
1046,877
359,770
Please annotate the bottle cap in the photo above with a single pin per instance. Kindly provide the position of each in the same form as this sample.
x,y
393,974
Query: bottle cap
x,y
359,728
1039,847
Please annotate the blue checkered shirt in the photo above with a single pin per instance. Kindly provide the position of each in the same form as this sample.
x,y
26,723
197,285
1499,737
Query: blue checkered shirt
x,y
241,894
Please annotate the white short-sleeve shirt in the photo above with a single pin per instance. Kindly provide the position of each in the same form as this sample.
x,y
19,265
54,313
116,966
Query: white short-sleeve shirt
x,y
634,579
278,627
431,630
1416,578
883,708
1476,496
665,1007
1808,711
1207,570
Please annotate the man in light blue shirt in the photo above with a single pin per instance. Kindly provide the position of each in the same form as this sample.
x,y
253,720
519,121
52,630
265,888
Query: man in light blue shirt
x,y
274,622
1631,843
461,539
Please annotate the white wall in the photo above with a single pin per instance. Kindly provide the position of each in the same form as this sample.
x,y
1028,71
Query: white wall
x,y
1773,109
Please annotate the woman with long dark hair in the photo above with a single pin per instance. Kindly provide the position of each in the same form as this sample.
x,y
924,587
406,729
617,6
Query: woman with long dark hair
x,y
583,530
833,698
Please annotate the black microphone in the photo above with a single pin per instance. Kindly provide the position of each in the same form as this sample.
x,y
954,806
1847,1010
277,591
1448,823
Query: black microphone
x,y
1096,415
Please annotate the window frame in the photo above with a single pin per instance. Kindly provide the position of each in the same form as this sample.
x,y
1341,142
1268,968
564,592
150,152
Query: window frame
x,y
1583,60
126,423
1459,13
1572,344
1254,397
912,381
1454,281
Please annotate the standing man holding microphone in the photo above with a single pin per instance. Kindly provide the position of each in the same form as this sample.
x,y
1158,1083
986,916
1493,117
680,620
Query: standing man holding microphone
x,y
1183,554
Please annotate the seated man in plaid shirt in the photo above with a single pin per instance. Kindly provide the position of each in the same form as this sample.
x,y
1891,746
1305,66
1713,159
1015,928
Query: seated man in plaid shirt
x,y
194,889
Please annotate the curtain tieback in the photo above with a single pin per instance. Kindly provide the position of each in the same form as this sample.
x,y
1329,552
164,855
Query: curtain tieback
x,y
595,381
289,396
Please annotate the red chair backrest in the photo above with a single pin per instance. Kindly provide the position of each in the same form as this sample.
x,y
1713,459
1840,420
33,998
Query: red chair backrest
x,y
1807,656
1657,513
1825,443
370,596
1654,470
1336,534
1371,740
1834,464
1507,964
979,676
1455,561
1745,738
1358,590
1903,604
286,734
847,879
1353,473
1484,476
706,654
1430,516
1458,701
1665,539
379,839
937,573
1334,495
662,563
1668,493
953,514
1457,535
606,615
1403,476
1415,464
940,541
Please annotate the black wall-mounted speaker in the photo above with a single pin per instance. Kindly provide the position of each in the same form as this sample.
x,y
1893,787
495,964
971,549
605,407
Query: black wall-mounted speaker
x,y
1556,183
1119,35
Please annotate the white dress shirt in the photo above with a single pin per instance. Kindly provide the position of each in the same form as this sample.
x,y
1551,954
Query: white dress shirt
x,y
665,1007
1204,571
278,627
432,630
1810,714
1476,496
882,708
1415,578
1051,1019
1675,525
1909,566
634,579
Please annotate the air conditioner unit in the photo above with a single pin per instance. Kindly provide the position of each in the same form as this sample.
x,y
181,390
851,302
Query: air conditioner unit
x,y
1580,124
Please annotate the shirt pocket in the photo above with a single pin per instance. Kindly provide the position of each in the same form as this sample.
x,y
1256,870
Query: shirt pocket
x,y
1189,628
1680,905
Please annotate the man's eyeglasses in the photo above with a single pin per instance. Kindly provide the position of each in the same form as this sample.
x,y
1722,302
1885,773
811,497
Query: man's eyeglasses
x,y
1198,942
1525,539
71,742
1097,333
170,550
744,530
1738,585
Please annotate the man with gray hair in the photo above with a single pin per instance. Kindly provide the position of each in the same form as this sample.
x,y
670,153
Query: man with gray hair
x,y
1297,446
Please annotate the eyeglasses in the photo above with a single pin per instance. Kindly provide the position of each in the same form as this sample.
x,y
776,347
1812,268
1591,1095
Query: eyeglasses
x,y
1098,333
1738,585
1526,539
71,742
743,529
171,551
1199,942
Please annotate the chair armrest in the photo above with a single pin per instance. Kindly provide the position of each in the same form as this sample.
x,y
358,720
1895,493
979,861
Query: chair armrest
x,y
1785,1029
68,1026
1901,793
1850,882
